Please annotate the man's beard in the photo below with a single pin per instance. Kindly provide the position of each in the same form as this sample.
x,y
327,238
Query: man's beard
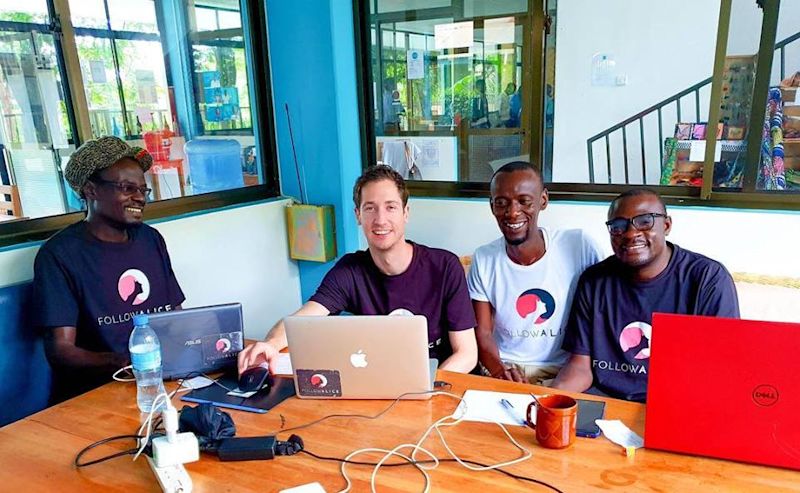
x,y
518,241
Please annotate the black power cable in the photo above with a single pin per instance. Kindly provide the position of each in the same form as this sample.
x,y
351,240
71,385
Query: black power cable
x,y
77,462
132,451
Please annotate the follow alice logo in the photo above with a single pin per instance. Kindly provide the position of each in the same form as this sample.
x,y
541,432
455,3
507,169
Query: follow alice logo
x,y
133,287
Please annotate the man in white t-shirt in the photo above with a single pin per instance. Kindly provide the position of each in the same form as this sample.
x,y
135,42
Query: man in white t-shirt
x,y
522,284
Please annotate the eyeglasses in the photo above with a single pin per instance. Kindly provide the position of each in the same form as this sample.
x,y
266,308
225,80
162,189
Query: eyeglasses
x,y
502,204
125,187
643,222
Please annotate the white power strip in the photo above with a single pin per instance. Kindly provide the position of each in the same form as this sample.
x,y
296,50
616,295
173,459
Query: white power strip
x,y
173,479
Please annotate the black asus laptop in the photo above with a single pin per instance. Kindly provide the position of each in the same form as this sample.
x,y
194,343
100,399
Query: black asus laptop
x,y
199,340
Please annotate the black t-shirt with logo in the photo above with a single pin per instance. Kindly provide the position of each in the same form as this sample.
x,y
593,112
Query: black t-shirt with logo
x,y
611,315
434,285
98,286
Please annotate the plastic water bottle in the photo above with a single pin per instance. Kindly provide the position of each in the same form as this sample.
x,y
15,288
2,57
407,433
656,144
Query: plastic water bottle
x,y
146,359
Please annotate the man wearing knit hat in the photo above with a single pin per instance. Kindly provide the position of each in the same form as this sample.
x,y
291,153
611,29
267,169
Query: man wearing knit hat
x,y
93,276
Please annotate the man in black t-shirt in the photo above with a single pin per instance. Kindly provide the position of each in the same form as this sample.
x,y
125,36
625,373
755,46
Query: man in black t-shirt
x,y
93,276
608,332
392,277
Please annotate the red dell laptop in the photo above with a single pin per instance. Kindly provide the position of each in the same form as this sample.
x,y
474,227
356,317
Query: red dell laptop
x,y
725,388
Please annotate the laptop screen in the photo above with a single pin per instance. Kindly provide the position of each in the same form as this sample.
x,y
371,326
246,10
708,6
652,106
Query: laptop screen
x,y
199,340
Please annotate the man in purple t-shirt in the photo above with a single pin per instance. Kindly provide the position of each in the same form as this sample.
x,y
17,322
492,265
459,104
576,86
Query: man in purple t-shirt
x,y
393,276
608,332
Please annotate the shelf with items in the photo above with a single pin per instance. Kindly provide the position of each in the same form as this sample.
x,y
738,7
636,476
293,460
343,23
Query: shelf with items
x,y
684,154
791,162
727,145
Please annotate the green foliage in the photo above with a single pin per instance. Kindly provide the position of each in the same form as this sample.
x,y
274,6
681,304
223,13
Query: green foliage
x,y
23,17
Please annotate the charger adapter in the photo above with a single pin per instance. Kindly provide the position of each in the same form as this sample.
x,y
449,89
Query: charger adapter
x,y
248,448
182,449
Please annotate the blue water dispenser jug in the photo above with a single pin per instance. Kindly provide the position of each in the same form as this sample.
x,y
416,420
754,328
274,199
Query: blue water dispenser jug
x,y
214,164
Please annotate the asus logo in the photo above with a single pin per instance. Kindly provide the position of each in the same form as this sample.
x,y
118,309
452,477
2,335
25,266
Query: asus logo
x,y
192,342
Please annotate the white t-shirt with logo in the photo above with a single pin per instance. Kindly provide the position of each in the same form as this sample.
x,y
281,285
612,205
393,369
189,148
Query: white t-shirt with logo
x,y
532,302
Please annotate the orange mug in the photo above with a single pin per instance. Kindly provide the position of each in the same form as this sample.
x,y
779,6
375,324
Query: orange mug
x,y
556,418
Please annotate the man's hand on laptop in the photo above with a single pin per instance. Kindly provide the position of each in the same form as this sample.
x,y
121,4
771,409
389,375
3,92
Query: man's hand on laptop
x,y
256,354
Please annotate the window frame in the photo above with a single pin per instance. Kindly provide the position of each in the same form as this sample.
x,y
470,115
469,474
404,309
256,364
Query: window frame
x,y
113,36
194,40
254,27
748,198
51,29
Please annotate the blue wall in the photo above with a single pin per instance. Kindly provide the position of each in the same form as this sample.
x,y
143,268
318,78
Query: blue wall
x,y
312,52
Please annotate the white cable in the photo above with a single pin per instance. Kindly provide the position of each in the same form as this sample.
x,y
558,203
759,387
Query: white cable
x,y
422,469
526,454
385,451
118,379
170,417
149,422
456,416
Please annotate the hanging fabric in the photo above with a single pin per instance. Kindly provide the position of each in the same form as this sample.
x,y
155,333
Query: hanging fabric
x,y
413,153
772,175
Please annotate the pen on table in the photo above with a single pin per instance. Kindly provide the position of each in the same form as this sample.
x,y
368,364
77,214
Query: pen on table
x,y
510,410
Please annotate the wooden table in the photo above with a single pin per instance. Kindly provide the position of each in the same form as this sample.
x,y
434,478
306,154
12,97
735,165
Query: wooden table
x,y
37,453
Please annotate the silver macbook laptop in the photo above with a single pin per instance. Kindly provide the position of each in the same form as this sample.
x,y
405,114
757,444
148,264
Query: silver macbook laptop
x,y
360,357
198,340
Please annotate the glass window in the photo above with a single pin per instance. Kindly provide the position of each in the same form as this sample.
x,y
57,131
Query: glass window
x,y
221,80
735,106
785,78
218,54
624,98
88,13
30,11
127,83
35,124
386,6
758,144
183,94
447,97
604,96
168,76
123,67
101,85
133,15
778,168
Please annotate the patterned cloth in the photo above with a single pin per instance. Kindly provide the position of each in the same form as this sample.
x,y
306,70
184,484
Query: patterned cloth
x,y
772,175
96,155
792,180
670,158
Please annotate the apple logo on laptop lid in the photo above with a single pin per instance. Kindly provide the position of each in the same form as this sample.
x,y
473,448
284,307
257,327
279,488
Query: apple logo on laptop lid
x,y
358,359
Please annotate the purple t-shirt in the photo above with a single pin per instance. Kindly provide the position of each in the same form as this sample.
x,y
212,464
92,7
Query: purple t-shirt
x,y
98,286
611,315
434,285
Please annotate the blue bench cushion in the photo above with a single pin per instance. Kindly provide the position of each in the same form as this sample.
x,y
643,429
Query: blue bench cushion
x,y
25,375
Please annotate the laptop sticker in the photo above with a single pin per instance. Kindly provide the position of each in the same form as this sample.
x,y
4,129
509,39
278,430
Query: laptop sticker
x,y
224,346
319,383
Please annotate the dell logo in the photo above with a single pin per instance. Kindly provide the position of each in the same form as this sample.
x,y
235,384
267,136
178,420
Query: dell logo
x,y
765,395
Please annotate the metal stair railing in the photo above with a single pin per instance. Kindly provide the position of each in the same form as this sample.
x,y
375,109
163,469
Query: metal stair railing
x,y
658,108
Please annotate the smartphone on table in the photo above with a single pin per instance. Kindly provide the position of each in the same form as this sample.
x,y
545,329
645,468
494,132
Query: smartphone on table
x,y
588,411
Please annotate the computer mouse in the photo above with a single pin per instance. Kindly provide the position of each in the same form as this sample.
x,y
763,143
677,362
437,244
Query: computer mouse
x,y
253,379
